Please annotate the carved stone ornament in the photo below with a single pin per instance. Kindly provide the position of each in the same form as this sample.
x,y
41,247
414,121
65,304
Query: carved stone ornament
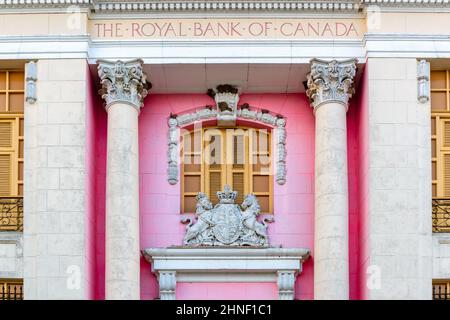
x,y
330,81
209,113
226,224
172,156
123,82
30,79
227,98
423,81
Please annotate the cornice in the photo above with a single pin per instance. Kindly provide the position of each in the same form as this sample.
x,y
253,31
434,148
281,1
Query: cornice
x,y
226,6
406,3
38,4
111,6
244,6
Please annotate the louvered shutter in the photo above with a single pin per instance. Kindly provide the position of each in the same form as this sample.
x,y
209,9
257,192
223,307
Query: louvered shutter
x,y
214,163
447,175
5,134
238,185
446,136
5,174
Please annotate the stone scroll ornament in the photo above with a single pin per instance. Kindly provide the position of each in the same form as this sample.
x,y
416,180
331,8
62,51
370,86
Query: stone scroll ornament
x,y
227,223
226,112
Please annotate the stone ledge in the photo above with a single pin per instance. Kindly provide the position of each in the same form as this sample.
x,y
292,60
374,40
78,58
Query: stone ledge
x,y
226,264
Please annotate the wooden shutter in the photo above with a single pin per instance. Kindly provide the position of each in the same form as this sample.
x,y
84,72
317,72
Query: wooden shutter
x,y
191,170
5,134
5,174
237,162
12,90
260,170
446,175
11,132
6,153
440,133
226,158
446,133
214,162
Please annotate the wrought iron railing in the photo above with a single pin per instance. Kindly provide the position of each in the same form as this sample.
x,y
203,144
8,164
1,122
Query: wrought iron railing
x,y
441,291
11,290
11,214
441,215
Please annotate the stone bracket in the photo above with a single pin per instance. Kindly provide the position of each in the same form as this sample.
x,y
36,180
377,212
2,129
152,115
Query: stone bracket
x,y
286,284
167,285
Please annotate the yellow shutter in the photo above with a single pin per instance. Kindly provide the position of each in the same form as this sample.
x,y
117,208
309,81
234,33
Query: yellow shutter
x,y
5,174
446,175
5,134
440,133
11,132
446,135
191,170
238,185
226,159
215,185
237,166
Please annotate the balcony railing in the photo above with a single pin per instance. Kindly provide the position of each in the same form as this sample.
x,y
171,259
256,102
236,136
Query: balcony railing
x,y
441,215
11,290
441,291
11,214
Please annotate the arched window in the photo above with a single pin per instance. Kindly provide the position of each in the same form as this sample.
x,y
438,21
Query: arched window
x,y
213,157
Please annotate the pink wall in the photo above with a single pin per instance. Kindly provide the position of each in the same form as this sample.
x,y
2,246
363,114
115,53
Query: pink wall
x,y
160,201
96,164
90,183
293,202
353,140
363,134
227,291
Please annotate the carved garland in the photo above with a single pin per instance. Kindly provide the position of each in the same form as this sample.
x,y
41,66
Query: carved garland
x,y
30,79
423,81
244,112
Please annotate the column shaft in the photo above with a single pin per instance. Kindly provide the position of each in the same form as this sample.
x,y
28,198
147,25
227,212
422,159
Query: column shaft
x,y
124,87
122,203
331,273
330,85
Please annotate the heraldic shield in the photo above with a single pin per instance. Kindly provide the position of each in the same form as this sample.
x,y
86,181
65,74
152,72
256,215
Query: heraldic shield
x,y
227,217
227,223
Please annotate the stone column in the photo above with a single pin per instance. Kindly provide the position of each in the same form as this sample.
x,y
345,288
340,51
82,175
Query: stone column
x,y
330,85
124,87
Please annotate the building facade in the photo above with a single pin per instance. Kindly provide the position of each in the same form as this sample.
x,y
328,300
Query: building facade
x,y
225,149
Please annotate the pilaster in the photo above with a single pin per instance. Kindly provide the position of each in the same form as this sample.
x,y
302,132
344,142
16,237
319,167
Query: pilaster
x,y
398,242
56,261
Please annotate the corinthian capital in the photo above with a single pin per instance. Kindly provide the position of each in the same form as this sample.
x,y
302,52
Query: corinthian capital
x,y
123,82
330,81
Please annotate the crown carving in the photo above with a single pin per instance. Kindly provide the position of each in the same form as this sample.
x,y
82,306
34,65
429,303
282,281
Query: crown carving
x,y
227,196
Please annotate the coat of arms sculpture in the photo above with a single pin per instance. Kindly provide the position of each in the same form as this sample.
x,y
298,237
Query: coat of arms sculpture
x,y
227,223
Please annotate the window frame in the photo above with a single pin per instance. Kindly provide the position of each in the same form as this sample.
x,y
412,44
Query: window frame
x,y
438,119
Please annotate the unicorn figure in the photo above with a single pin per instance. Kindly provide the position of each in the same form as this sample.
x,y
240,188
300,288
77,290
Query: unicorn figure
x,y
255,228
